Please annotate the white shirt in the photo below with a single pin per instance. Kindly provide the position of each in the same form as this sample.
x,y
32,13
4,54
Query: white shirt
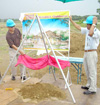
x,y
91,42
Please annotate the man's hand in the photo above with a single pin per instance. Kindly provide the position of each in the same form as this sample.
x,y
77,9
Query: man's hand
x,y
70,17
95,20
91,32
75,25
21,52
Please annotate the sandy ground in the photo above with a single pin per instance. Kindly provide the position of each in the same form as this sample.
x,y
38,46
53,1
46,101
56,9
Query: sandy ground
x,y
12,97
76,50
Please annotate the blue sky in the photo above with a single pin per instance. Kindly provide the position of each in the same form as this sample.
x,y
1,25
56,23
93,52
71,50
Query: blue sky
x,y
47,23
13,8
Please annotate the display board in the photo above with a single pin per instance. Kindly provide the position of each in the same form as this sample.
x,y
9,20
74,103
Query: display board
x,y
56,25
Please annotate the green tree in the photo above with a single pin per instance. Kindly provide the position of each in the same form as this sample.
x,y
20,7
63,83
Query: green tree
x,y
27,24
98,10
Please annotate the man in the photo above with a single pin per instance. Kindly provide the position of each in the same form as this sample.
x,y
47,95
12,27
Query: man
x,y
13,38
90,52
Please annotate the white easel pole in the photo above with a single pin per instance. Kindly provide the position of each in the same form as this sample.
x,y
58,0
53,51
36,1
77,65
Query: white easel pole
x,y
16,52
68,73
42,36
42,33
58,64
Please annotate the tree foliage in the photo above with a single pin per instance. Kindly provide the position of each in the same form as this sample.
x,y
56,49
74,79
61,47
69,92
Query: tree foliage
x,y
98,10
82,18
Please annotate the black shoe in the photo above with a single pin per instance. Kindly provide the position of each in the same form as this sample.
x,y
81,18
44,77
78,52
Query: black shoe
x,y
13,78
24,78
88,92
84,87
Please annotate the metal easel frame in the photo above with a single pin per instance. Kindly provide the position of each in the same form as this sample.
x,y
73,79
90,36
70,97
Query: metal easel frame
x,y
43,34
41,27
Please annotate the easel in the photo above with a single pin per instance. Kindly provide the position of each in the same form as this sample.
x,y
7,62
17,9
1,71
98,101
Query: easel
x,y
43,34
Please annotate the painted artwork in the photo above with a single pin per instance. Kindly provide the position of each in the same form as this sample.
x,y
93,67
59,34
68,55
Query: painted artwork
x,y
55,25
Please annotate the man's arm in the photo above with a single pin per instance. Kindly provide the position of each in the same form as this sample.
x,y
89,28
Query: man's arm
x,y
91,32
75,25
14,47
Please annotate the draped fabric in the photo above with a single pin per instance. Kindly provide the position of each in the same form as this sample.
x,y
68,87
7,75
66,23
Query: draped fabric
x,y
39,63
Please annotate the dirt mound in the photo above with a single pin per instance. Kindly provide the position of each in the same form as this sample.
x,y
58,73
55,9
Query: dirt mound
x,y
41,91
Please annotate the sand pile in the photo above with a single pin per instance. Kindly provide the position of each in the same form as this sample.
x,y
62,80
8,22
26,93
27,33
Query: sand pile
x,y
41,91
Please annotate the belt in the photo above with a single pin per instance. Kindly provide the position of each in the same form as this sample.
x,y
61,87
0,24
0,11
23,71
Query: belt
x,y
90,50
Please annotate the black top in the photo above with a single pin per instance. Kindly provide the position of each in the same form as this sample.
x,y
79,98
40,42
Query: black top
x,y
14,39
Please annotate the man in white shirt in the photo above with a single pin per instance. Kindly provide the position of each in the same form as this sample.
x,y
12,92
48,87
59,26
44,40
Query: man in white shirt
x,y
90,52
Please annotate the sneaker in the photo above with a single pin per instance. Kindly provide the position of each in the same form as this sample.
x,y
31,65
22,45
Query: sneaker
x,y
24,78
13,78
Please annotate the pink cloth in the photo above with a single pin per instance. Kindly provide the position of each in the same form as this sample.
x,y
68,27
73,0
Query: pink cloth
x,y
39,63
